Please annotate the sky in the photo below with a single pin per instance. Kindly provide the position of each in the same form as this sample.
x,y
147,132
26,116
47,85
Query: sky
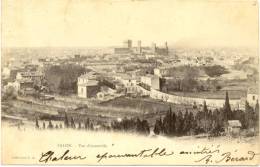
x,y
87,23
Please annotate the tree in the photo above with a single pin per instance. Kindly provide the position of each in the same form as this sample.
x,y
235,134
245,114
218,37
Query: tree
x,y
138,125
257,116
227,108
193,123
186,123
188,84
79,127
9,93
215,70
249,116
63,78
257,107
167,122
43,125
72,123
205,119
189,81
50,126
158,127
172,119
87,124
91,126
66,121
179,124
142,127
145,127
37,124
205,108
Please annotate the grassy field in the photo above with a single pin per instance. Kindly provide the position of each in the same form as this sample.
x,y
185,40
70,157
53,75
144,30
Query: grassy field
x,y
145,105
144,108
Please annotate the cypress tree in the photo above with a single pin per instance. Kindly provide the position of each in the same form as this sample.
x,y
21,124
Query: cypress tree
x,y
50,126
257,107
87,124
167,121
172,124
79,125
193,123
66,121
145,127
158,127
43,125
91,126
257,116
186,123
248,115
227,108
205,115
179,124
205,108
72,123
37,124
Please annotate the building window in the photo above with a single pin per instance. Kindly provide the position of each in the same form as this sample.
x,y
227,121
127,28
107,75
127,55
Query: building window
x,y
253,97
82,90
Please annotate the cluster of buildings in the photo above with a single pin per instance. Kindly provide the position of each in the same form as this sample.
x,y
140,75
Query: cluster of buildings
x,y
128,48
90,86
25,82
125,72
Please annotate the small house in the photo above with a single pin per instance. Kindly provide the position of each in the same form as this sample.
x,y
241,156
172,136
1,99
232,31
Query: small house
x,y
252,96
87,88
233,127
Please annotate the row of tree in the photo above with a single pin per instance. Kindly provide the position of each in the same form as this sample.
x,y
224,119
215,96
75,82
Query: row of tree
x,y
68,123
131,125
177,123
206,121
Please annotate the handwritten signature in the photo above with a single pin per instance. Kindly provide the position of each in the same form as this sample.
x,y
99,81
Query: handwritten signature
x,y
227,157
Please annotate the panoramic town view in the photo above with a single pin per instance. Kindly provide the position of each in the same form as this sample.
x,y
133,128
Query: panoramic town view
x,y
149,90
130,82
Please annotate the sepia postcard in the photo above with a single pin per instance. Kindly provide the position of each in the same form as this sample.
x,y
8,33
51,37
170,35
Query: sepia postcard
x,y
130,82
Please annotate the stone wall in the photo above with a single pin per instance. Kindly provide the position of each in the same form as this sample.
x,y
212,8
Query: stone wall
x,y
211,103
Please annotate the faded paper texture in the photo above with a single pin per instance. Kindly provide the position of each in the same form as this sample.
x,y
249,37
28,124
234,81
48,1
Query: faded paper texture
x,y
167,82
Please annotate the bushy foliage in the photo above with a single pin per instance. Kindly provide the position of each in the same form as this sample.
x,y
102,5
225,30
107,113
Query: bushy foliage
x,y
131,125
9,93
61,79
215,70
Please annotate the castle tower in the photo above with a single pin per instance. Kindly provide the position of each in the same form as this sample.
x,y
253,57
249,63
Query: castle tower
x,y
153,47
128,44
166,48
139,46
